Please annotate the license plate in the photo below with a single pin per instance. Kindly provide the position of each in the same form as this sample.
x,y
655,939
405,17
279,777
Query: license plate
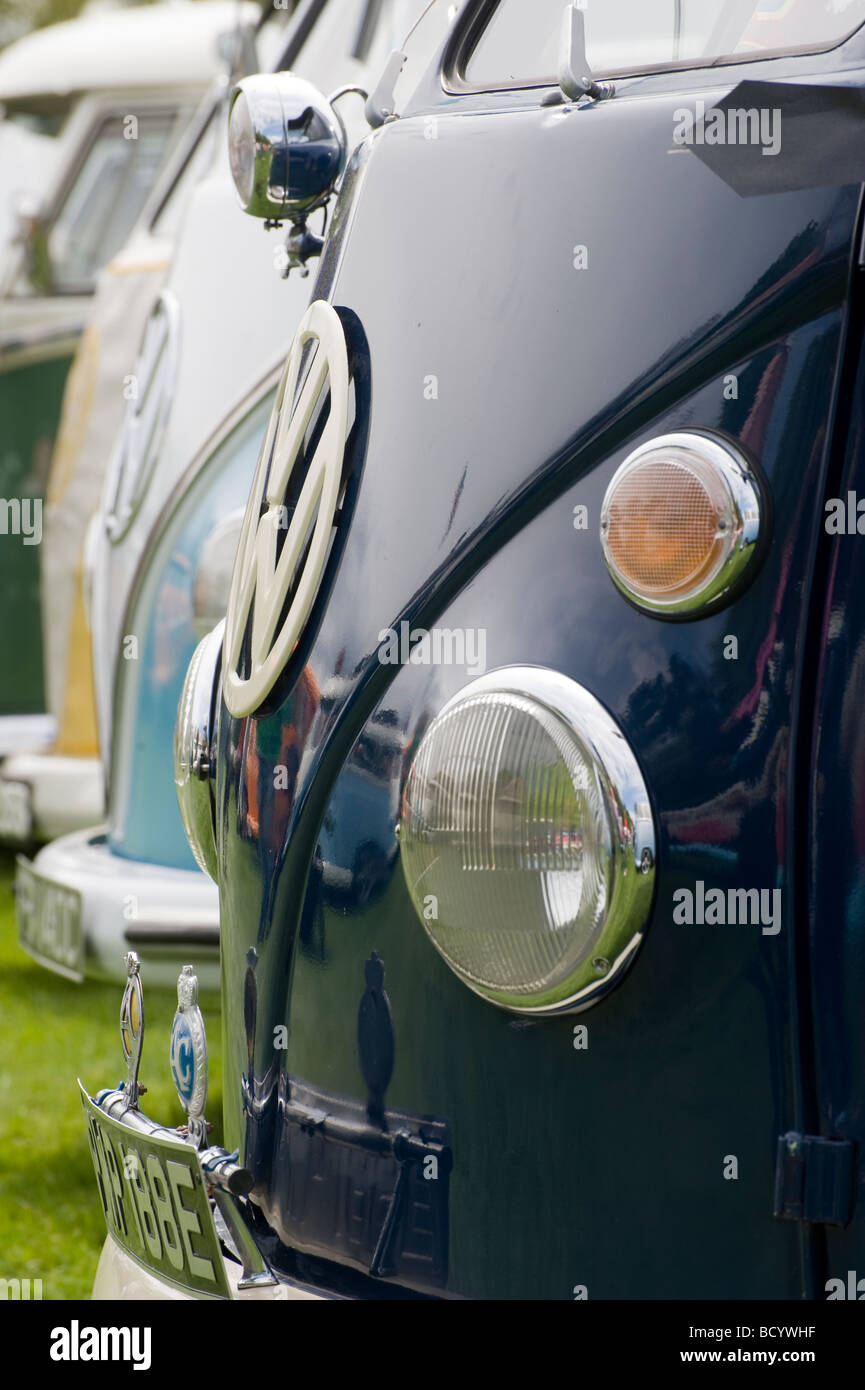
x,y
16,811
49,921
155,1203
345,1193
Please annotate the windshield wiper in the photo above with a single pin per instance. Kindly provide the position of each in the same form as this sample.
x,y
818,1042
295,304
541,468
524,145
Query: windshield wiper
x,y
575,75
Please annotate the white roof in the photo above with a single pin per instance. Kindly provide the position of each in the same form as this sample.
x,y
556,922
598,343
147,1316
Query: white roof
x,y
167,45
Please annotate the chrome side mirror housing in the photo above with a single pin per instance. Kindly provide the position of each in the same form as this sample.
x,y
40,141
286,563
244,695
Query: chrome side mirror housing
x,y
286,146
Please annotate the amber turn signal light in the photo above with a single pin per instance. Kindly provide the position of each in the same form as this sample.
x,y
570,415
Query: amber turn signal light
x,y
680,523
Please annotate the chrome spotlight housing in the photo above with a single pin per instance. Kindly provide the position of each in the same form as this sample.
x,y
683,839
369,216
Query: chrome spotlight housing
x,y
286,146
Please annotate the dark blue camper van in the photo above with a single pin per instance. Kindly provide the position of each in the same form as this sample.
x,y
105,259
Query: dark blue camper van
x,y
528,761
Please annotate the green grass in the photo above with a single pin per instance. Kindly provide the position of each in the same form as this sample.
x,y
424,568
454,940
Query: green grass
x,y
51,1032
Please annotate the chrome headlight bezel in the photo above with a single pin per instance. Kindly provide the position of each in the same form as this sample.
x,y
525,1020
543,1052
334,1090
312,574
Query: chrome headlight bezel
x,y
632,864
195,749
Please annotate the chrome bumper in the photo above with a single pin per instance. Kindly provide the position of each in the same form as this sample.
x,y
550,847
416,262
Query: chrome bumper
x,y
166,915
119,1277
64,794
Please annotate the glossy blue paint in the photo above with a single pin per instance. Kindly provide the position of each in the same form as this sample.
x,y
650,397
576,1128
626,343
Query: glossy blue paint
x,y
832,843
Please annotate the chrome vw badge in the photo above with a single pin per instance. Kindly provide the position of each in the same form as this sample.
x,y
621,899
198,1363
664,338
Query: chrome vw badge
x,y
189,1056
132,1027
264,575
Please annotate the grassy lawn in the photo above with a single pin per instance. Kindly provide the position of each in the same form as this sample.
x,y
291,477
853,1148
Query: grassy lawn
x,y
51,1032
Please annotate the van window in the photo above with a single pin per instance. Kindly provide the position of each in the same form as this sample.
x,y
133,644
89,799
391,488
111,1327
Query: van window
x,y
102,204
520,43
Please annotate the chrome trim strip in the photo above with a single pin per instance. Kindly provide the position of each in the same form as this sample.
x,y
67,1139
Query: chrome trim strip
x,y
151,934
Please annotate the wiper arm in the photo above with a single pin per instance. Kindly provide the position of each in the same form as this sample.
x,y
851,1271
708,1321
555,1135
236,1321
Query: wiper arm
x,y
575,75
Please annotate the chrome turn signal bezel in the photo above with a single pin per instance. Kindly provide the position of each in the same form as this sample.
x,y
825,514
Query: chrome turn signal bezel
x,y
743,521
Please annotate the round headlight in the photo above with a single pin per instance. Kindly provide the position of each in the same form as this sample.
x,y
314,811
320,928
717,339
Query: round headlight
x,y
528,842
194,749
680,523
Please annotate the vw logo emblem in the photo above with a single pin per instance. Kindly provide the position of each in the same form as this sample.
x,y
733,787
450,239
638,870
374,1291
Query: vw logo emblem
x,y
263,574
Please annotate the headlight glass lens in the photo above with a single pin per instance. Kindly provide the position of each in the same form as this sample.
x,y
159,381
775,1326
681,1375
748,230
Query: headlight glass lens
x,y
669,526
511,839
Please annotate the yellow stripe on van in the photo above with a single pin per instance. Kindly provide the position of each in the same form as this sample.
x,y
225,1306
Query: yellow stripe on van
x,y
75,414
136,267
77,736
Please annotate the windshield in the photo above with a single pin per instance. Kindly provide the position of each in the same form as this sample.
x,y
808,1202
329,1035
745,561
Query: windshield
x,y
520,43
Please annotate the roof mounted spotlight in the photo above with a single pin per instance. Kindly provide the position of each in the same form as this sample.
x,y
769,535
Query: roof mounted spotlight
x,y
287,149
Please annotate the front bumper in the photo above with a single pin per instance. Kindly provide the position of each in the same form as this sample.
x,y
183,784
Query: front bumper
x,y
120,1277
168,916
26,733
46,796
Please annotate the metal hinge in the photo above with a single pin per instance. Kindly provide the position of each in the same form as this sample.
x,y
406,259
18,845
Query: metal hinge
x,y
814,1179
